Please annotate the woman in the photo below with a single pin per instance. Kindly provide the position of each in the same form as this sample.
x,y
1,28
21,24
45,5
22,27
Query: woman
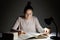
x,y
28,23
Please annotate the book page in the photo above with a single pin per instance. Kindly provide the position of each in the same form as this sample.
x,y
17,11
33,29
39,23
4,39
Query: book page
x,y
29,35
25,36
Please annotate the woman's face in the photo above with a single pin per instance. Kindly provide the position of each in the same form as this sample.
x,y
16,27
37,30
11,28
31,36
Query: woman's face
x,y
28,14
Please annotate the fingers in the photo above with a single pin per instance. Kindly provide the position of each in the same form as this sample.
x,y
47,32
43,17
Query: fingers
x,y
21,32
46,30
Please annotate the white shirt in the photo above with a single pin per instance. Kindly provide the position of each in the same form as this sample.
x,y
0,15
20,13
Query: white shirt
x,y
28,26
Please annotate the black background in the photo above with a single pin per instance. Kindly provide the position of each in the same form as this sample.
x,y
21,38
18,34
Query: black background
x,y
12,9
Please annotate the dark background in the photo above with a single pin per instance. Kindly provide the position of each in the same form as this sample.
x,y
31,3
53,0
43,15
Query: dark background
x,y
12,9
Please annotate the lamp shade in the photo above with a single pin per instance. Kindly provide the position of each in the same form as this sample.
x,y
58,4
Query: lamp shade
x,y
48,20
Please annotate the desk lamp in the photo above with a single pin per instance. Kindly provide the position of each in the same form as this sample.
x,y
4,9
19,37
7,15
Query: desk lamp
x,y
50,20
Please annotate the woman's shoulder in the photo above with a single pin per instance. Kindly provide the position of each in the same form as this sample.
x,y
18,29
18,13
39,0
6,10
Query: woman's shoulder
x,y
21,17
34,17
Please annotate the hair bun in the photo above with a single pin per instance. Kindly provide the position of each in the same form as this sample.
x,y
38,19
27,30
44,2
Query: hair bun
x,y
28,6
28,3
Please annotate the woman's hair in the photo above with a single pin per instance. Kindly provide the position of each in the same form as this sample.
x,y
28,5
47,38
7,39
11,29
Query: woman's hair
x,y
28,6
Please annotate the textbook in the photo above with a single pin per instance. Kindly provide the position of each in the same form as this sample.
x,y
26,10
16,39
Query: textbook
x,y
33,36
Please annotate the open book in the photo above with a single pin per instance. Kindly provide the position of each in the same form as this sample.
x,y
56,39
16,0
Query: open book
x,y
32,35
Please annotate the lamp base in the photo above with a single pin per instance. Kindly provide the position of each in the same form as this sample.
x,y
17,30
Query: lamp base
x,y
55,38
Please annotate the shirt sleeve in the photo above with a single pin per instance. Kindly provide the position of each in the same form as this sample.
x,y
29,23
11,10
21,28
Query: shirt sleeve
x,y
38,26
16,24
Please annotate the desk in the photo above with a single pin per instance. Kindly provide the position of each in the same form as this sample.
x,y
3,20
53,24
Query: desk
x,y
48,38
15,36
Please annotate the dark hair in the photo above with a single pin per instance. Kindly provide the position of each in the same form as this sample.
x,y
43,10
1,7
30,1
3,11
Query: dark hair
x,y
28,6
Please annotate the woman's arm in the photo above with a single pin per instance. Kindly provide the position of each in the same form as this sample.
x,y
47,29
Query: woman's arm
x,y
40,29
14,28
38,26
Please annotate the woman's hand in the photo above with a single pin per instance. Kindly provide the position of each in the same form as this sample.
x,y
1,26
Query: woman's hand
x,y
21,32
46,31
